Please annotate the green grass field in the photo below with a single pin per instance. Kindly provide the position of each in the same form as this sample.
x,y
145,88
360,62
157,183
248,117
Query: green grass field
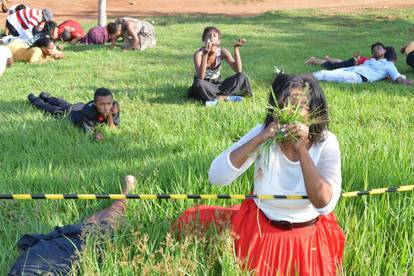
x,y
168,142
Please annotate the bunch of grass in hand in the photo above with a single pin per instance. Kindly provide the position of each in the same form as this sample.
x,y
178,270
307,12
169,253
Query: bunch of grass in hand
x,y
290,114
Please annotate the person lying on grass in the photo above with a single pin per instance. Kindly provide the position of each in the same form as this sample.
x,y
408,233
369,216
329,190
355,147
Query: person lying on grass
x,y
408,51
70,31
377,51
372,70
99,34
22,22
136,34
41,51
207,84
293,153
55,253
101,110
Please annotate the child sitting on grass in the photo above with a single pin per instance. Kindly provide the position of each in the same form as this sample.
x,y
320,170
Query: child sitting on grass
x,y
101,110
208,85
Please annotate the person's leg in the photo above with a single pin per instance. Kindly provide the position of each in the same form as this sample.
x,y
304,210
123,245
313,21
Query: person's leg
x,y
203,90
336,65
11,29
45,106
112,214
333,60
237,84
315,61
338,75
54,101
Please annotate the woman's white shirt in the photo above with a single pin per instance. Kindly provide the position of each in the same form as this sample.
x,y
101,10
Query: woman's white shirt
x,y
276,174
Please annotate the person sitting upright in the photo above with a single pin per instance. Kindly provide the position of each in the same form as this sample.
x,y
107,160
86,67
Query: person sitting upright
x,y
101,110
207,85
136,34
375,69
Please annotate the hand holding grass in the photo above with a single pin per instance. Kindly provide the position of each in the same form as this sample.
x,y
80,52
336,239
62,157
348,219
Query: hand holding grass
x,y
270,131
298,134
208,48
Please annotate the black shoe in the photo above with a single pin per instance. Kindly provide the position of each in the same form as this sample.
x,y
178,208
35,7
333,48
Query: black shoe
x,y
31,97
44,95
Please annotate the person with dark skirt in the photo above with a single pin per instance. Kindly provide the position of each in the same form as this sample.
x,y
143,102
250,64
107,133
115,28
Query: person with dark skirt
x,y
282,236
55,253
408,51
207,85
101,110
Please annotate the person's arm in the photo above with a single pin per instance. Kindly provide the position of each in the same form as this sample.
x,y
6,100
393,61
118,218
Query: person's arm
x,y
236,63
58,54
136,42
114,38
401,80
397,77
234,161
113,116
319,190
36,56
241,154
200,60
75,39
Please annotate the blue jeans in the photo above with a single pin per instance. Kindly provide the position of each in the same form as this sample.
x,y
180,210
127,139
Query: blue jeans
x,y
338,75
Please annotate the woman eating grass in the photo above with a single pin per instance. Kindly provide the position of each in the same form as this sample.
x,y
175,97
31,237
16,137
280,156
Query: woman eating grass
x,y
291,156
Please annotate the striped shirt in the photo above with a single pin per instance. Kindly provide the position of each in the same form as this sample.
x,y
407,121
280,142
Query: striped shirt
x,y
28,18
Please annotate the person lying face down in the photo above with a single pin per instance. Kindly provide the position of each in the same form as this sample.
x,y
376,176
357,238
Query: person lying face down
x,y
22,22
136,34
41,51
70,31
102,110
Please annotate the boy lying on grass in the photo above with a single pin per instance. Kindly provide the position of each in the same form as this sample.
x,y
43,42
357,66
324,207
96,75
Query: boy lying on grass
x,y
101,110
55,253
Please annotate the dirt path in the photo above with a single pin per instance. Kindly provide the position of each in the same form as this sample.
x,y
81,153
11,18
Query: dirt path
x,y
87,9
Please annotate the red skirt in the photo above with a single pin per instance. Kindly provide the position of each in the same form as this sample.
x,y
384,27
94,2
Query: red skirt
x,y
268,250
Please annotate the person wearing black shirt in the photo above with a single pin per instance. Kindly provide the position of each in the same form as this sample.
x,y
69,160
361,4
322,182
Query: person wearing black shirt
x,y
101,110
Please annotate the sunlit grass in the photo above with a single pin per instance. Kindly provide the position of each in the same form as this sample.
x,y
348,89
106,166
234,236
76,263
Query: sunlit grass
x,y
168,142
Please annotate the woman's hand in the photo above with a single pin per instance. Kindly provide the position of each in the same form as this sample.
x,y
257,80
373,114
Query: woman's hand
x,y
208,47
270,131
239,43
299,134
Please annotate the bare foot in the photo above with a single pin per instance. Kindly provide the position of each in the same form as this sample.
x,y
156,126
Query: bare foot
x,y
130,184
221,98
